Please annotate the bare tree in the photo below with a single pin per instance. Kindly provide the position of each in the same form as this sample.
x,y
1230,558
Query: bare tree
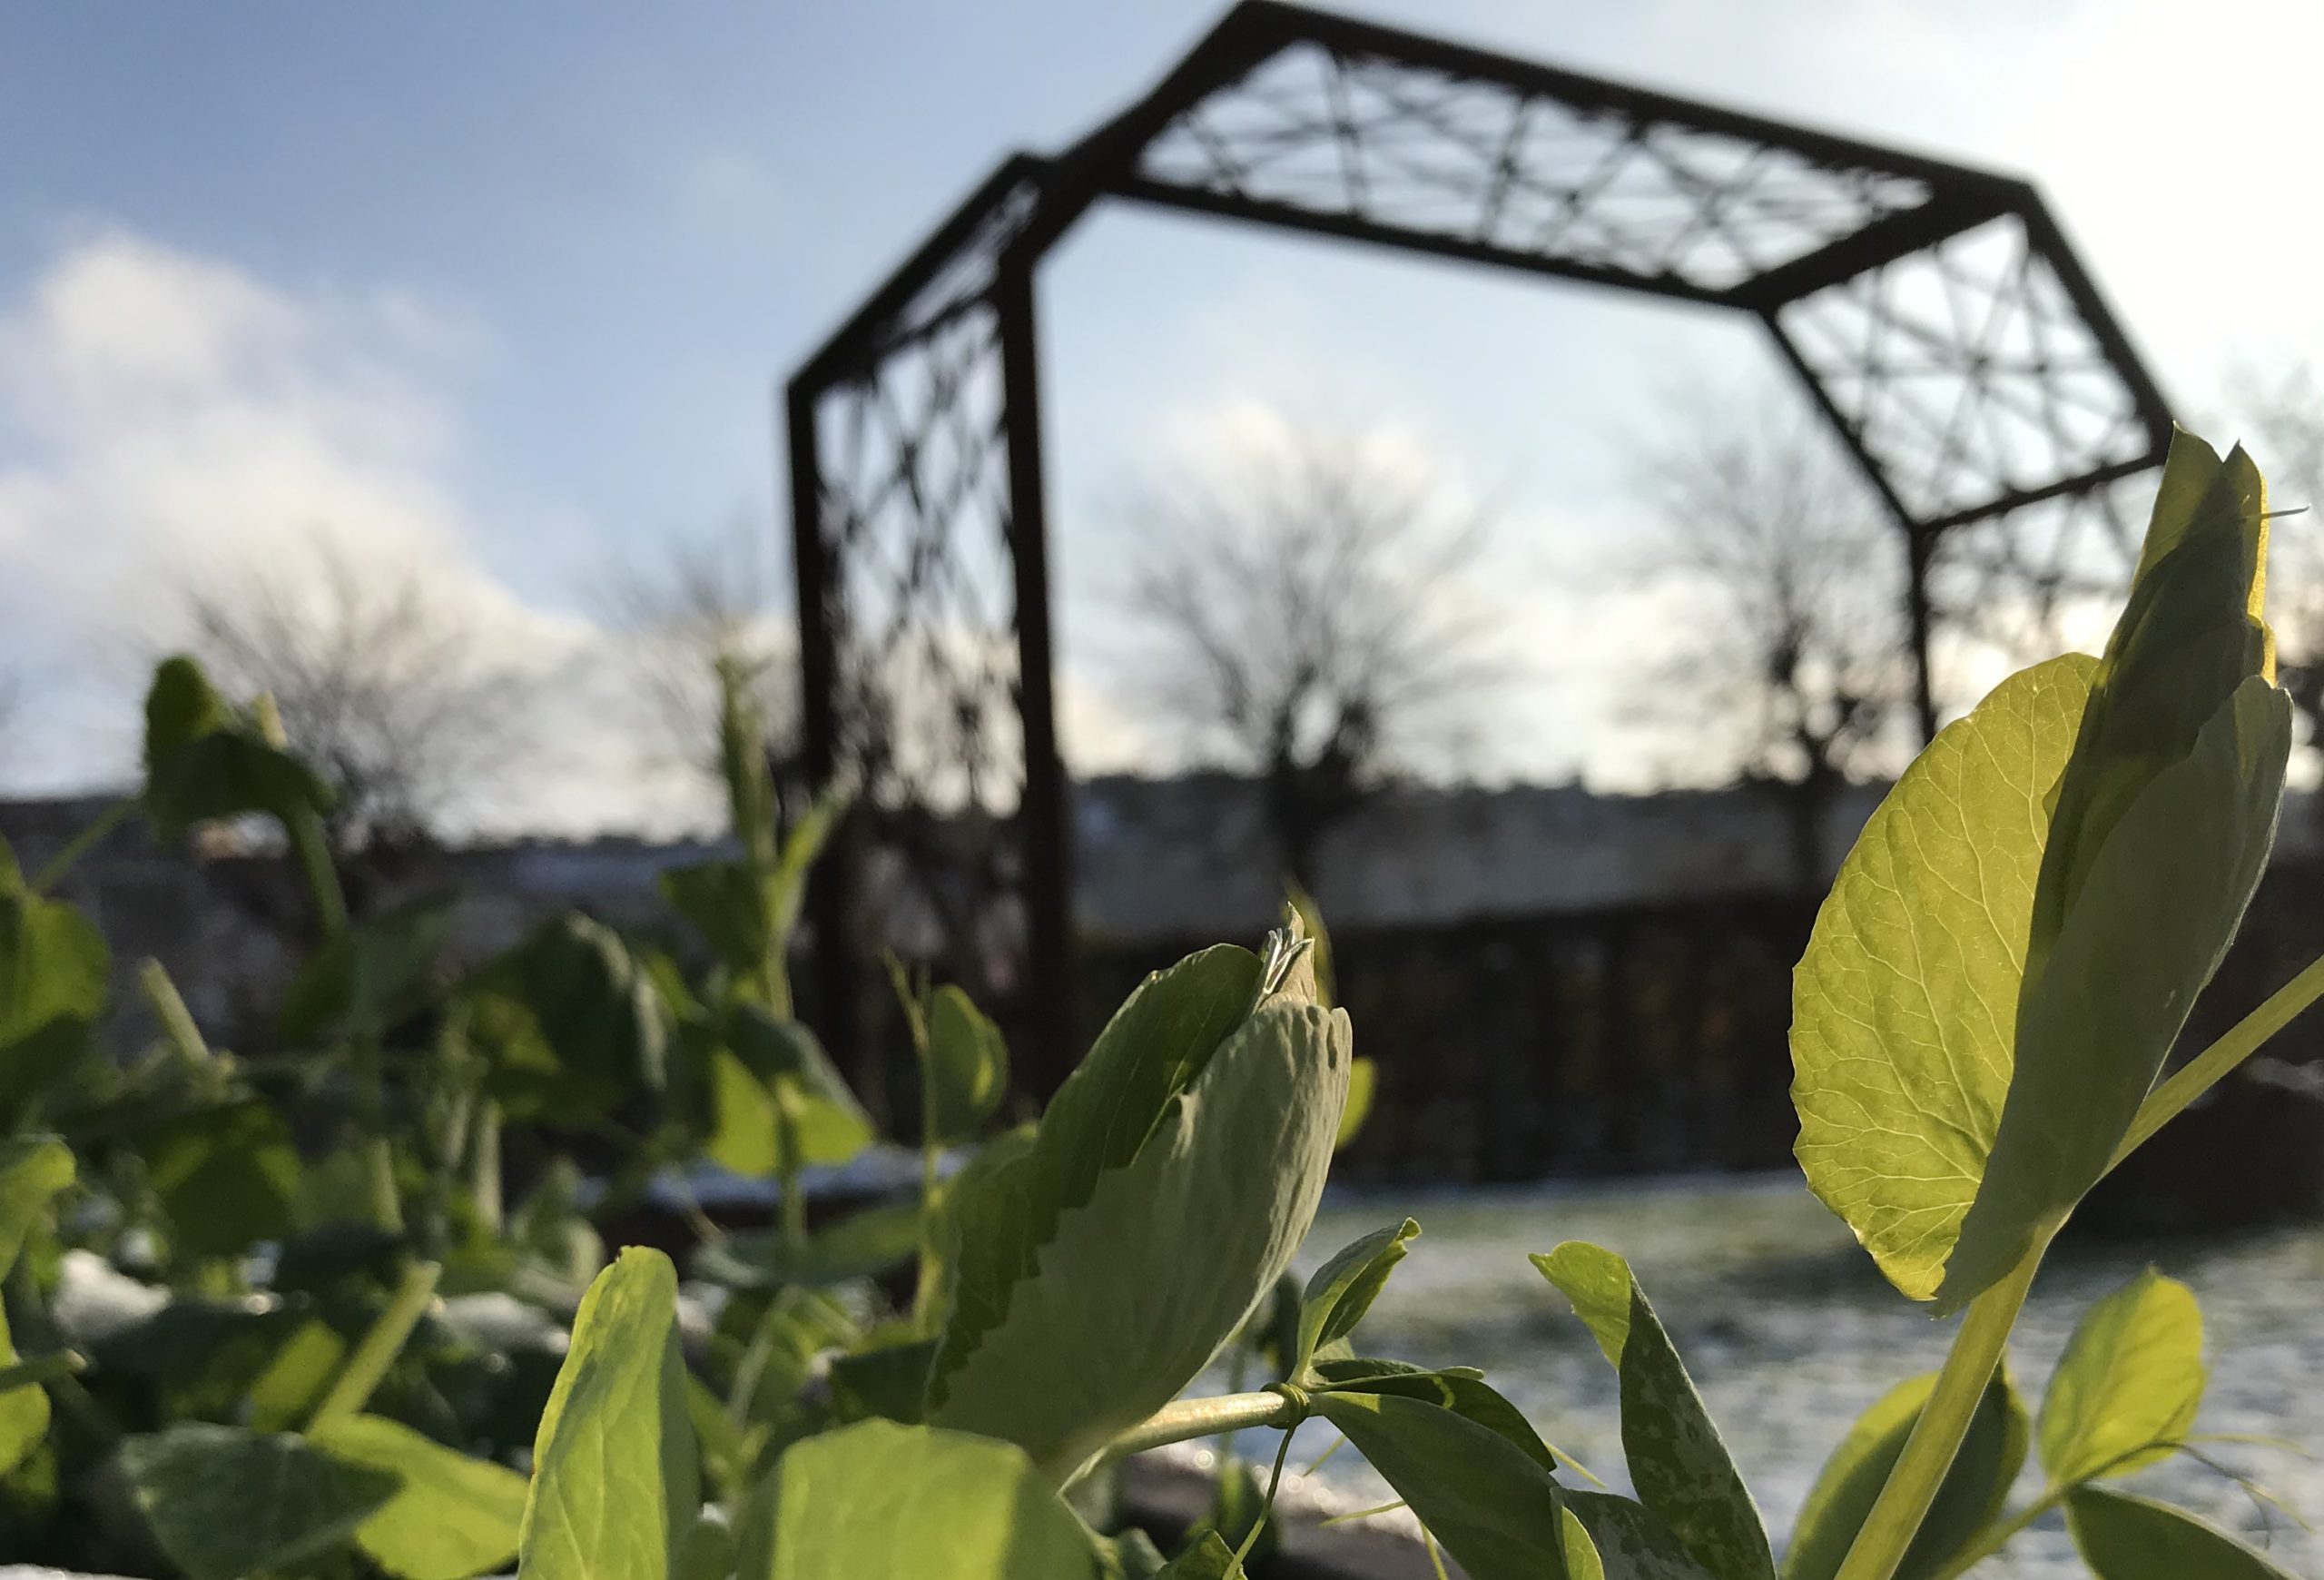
x,y
1297,618
703,605
383,681
1791,659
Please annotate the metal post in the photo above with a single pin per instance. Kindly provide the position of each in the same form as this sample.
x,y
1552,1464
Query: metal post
x,y
837,973
1048,990
1917,547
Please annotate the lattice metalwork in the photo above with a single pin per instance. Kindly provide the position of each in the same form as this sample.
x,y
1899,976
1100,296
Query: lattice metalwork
x,y
1935,314
1326,133
1969,376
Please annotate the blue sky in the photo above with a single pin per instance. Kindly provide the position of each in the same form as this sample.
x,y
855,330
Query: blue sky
x,y
520,277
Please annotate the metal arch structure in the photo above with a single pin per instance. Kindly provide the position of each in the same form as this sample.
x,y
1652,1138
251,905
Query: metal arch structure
x,y
1935,314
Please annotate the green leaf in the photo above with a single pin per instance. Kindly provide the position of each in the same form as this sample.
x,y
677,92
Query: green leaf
x,y
1343,1288
1632,1543
452,1517
1360,1078
54,968
889,1381
371,975
1461,1391
33,1170
616,1485
1494,1507
867,1242
955,1198
570,1024
227,1176
293,1382
1970,1499
203,761
2122,1537
2132,1375
1209,1558
225,1503
728,904
1238,1505
801,850
2019,934
708,1552
1143,1277
1905,1006
966,1072
1676,1461
771,1063
880,1499
2150,924
1099,1121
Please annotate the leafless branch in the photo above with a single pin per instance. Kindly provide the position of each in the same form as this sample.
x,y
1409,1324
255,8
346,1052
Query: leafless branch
x,y
1296,622
380,682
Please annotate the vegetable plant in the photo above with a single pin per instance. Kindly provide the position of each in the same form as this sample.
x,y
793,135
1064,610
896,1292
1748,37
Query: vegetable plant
x,y
1983,1020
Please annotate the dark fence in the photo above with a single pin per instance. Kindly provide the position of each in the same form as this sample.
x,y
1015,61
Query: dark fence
x,y
1655,1038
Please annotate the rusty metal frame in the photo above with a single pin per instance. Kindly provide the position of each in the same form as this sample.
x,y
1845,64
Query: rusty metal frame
x,y
1935,314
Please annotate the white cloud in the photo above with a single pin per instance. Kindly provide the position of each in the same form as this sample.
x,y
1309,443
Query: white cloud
x,y
169,420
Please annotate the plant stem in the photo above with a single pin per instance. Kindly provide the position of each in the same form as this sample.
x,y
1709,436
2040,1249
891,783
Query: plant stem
x,y
378,1151
1912,1485
44,1369
2204,1070
1191,1419
351,1389
82,844
924,1286
787,1169
169,1009
306,831
484,1167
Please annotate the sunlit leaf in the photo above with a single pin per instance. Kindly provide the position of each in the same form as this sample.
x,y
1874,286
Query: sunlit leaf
x,y
770,1066
1345,1286
2132,1378
2122,1537
1676,1460
225,1503
1905,1006
616,1485
2019,935
452,1517
1970,1499
880,1499
293,1381
967,1066
2143,933
1167,1187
